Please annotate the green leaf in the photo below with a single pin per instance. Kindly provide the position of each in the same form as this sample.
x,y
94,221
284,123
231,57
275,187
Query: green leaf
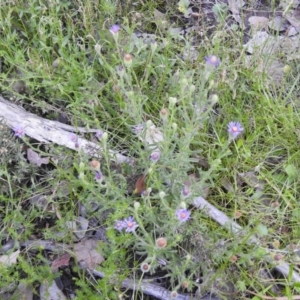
x,y
291,171
262,230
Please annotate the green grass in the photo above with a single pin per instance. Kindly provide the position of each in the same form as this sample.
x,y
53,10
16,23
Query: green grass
x,y
60,57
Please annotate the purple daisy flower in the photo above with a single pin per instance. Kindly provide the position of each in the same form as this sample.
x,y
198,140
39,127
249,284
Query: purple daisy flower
x,y
130,224
183,214
98,134
73,137
119,225
114,29
19,131
234,129
155,155
137,129
212,60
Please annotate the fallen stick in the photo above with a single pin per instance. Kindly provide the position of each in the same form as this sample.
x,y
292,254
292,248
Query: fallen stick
x,y
47,131
146,287
218,216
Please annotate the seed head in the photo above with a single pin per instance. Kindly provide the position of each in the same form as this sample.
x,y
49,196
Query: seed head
x,y
95,164
128,60
145,267
161,243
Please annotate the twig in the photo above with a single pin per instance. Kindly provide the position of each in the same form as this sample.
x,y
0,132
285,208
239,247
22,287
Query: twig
x,y
46,245
218,216
145,287
47,131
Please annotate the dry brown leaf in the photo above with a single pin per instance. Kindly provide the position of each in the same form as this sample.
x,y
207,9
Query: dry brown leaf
x,y
258,23
34,158
140,185
10,259
86,252
61,261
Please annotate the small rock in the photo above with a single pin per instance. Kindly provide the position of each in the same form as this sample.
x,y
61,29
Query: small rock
x,y
277,24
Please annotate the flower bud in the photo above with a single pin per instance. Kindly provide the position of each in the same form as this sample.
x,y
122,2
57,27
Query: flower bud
x,y
149,123
188,257
153,46
136,205
185,284
214,99
192,88
182,205
98,49
145,267
174,295
184,82
104,137
128,60
95,165
174,126
172,101
162,194
286,69
161,243
164,114
81,165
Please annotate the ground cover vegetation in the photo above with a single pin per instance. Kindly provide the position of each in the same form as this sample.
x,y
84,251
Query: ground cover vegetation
x,y
199,116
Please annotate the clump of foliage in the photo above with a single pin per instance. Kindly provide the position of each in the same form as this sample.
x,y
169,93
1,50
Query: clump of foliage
x,y
207,127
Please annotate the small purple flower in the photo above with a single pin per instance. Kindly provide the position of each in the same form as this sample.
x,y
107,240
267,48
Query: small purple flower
x,y
185,192
73,137
212,60
183,214
234,129
98,176
137,129
130,224
155,155
115,29
119,225
98,134
120,71
19,131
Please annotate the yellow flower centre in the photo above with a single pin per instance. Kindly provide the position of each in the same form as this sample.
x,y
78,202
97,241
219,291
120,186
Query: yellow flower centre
x,y
234,128
182,215
130,224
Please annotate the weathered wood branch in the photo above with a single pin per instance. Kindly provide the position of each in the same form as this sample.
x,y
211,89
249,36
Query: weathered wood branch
x,y
47,131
